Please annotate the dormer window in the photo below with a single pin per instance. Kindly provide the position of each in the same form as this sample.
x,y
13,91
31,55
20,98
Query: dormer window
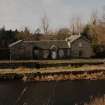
x,y
53,47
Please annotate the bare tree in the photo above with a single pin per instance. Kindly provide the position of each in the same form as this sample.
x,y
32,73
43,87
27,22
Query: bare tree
x,y
94,17
103,12
102,20
37,31
76,25
45,24
97,27
63,33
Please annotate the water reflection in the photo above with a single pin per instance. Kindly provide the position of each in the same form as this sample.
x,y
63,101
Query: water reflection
x,y
50,93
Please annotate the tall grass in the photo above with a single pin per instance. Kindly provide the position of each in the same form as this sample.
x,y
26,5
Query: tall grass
x,y
97,101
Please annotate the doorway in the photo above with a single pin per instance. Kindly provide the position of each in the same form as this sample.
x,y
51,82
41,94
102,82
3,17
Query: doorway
x,y
36,53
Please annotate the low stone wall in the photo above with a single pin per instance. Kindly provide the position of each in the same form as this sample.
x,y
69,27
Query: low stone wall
x,y
49,63
12,76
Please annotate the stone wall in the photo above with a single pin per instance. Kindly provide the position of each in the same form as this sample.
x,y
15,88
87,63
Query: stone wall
x,y
21,51
81,48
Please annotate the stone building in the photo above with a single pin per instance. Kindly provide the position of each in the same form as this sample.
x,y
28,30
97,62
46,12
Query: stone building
x,y
80,47
75,46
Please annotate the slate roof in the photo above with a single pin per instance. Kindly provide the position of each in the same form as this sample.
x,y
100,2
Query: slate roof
x,y
48,44
40,37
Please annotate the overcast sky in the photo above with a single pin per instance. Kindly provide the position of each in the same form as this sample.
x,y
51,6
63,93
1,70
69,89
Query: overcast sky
x,y
19,13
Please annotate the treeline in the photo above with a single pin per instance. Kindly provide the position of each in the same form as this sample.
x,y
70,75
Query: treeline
x,y
9,36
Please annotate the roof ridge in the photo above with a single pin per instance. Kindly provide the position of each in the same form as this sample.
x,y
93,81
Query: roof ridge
x,y
44,40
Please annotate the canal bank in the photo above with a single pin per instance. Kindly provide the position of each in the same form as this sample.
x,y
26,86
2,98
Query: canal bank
x,y
86,72
49,63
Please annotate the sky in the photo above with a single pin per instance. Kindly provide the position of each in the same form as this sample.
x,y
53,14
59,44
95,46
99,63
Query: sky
x,y
16,14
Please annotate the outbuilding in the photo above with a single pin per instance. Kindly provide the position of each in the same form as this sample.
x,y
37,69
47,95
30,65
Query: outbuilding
x,y
76,46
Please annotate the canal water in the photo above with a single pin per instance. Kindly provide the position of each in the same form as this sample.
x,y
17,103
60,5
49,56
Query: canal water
x,y
50,93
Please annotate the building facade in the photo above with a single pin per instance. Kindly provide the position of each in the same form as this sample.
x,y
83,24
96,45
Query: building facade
x,y
72,47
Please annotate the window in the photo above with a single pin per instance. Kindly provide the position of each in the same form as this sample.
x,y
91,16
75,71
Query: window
x,y
80,53
36,54
45,54
53,54
61,53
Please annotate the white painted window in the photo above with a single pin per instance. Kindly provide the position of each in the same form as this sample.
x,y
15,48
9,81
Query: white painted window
x,y
54,55
61,53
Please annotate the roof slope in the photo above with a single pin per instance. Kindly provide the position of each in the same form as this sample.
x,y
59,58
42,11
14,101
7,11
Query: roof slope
x,y
47,44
